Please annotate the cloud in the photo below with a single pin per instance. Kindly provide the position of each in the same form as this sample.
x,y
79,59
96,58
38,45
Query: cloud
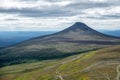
x,y
58,14
99,0
112,12
48,8
10,19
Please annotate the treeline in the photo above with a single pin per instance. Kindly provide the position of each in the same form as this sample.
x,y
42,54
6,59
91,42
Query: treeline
x,y
44,54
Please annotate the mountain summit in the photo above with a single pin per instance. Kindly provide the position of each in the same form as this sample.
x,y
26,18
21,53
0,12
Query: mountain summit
x,y
80,31
78,25
76,39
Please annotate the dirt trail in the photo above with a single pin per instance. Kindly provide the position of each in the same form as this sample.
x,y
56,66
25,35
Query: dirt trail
x,y
61,78
67,61
118,72
59,75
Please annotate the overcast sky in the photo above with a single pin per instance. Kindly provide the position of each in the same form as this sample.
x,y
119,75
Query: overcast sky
x,y
46,15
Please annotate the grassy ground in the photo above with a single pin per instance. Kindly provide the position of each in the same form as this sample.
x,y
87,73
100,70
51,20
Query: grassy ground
x,y
102,64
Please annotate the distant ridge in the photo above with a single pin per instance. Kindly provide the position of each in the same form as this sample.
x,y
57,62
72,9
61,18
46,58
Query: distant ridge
x,y
76,39
113,33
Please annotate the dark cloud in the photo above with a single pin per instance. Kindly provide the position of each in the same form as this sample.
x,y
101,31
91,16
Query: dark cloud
x,y
114,16
88,5
94,17
11,19
28,0
49,13
54,0
104,17
37,13
72,9
42,0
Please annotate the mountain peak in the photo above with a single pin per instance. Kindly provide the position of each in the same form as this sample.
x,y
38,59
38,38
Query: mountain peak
x,y
79,23
78,26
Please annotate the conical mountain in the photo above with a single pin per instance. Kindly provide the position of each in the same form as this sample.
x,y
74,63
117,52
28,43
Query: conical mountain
x,y
80,31
76,26
76,39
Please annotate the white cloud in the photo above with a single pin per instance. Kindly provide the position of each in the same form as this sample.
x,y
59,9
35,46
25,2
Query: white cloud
x,y
30,4
98,0
104,17
103,11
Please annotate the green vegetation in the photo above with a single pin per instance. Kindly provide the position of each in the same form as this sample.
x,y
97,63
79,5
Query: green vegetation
x,y
100,64
28,57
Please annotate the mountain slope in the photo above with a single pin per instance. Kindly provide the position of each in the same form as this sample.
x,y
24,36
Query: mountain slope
x,y
8,38
103,64
75,39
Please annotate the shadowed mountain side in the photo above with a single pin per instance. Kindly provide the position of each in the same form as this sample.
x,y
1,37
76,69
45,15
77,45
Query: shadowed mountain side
x,y
79,37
